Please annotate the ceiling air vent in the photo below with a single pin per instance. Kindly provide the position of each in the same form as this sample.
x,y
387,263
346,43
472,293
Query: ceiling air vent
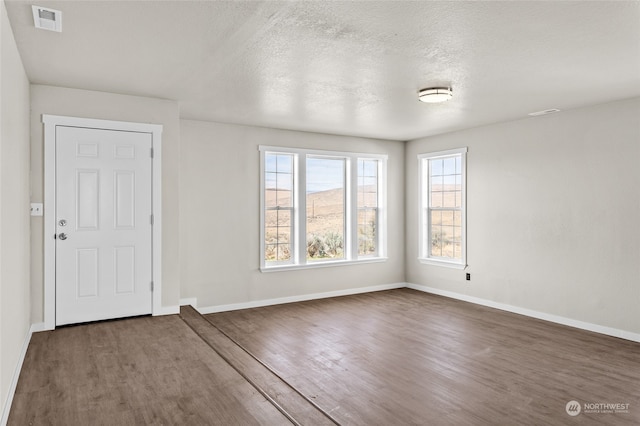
x,y
47,19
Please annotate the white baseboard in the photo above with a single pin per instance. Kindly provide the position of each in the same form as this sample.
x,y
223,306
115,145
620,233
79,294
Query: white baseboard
x,y
191,301
609,331
168,310
301,298
38,327
16,374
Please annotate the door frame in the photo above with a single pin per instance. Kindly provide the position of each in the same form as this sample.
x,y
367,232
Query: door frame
x,y
50,124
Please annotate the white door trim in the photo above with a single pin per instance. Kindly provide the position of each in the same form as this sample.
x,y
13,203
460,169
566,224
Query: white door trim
x,y
50,123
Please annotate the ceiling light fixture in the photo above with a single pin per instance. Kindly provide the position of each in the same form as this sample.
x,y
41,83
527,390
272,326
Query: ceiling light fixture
x,y
434,95
47,19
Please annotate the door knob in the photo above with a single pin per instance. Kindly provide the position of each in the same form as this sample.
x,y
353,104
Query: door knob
x,y
62,236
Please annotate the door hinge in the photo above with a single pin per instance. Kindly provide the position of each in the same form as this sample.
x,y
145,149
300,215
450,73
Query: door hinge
x,y
152,219
151,285
151,152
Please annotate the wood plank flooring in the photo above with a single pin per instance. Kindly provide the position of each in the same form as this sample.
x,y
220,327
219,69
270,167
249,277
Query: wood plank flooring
x,y
133,372
404,357
398,357
300,409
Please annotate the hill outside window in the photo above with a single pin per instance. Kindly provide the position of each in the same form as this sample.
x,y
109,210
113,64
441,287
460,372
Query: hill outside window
x,y
321,208
442,216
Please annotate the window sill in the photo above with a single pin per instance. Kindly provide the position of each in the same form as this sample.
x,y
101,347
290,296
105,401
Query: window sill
x,y
313,265
444,263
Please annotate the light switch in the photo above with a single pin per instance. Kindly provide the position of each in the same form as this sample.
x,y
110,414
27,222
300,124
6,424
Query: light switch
x,y
36,209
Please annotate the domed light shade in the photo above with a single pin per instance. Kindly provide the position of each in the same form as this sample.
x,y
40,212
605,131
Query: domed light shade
x,y
434,95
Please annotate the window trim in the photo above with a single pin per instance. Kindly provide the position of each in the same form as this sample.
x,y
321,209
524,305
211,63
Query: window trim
x,y
424,235
298,258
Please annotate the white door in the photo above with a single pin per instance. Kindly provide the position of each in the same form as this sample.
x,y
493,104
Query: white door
x,y
103,224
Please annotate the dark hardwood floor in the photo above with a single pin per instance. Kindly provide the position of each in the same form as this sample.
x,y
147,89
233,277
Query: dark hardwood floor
x,y
298,408
398,357
133,372
406,357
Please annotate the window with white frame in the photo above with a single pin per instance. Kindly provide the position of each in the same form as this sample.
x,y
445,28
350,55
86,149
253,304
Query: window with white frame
x,y
278,208
442,226
320,208
368,193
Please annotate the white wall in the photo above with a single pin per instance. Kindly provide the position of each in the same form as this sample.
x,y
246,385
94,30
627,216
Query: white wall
x,y
109,106
553,214
220,222
14,206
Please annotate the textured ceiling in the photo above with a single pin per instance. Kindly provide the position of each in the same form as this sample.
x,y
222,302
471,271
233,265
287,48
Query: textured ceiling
x,y
350,68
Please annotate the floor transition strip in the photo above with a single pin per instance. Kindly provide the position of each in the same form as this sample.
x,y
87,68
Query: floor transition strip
x,y
298,408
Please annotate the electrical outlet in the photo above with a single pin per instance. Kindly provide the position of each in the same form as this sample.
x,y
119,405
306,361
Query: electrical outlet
x,y
468,276
36,209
